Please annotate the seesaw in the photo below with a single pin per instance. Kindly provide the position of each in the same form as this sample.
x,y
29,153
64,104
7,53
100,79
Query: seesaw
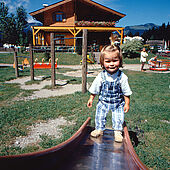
x,y
80,152
44,65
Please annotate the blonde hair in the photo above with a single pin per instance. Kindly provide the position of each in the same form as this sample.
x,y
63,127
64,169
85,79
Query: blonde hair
x,y
109,49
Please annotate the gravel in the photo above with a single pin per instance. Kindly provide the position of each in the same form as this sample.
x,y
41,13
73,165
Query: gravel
x,y
50,128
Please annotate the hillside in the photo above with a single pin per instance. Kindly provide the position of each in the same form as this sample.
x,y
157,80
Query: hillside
x,y
139,28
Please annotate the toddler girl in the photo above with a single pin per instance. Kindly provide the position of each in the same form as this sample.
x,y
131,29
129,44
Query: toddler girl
x,y
114,92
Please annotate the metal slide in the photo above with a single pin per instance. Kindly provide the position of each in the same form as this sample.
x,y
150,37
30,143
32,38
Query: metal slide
x,y
80,152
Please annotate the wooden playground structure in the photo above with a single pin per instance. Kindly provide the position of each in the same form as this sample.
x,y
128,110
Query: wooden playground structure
x,y
53,62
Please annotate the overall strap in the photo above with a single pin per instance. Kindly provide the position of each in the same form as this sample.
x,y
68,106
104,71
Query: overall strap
x,y
103,75
119,73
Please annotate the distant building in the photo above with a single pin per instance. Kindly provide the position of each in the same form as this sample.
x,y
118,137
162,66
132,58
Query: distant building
x,y
152,43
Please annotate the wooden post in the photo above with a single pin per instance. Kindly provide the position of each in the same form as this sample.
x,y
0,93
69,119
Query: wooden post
x,y
84,62
31,62
16,63
121,37
52,61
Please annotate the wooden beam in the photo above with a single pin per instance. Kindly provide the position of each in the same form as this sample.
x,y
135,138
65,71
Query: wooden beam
x,y
37,31
84,62
74,40
43,39
72,30
78,31
33,35
16,63
74,33
77,28
118,32
52,61
31,62
121,37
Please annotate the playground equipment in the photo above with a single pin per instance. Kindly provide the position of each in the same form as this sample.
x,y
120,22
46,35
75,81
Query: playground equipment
x,y
53,63
159,65
25,62
44,65
78,152
88,60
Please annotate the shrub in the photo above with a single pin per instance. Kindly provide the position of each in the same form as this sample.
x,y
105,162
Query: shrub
x,y
155,49
47,56
130,48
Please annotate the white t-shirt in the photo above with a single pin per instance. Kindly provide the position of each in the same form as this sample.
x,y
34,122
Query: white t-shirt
x,y
143,56
95,87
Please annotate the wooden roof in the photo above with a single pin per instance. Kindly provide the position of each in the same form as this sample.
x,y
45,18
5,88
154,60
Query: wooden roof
x,y
89,2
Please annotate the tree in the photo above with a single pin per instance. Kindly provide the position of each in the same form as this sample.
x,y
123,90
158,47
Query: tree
x,y
10,32
130,34
12,27
21,22
136,34
161,33
3,20
168,32
130,48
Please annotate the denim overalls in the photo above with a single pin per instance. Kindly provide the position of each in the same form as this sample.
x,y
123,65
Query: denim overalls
x,y
110,98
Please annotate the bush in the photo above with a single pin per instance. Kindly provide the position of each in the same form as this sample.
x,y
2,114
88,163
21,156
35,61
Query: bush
x,y
155,49
47,56
130,48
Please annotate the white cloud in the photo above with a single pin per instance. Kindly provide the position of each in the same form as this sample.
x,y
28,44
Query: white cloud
x,y
13,4
32,20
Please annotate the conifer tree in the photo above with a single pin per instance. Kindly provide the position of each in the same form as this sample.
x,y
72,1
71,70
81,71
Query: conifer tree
x,y
21,22
3,21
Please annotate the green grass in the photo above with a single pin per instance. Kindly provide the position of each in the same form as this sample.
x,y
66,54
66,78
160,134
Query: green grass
x,y
147,116
63,58
149,108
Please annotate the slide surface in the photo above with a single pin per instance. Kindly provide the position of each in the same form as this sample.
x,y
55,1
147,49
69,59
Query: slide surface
x,y
80,152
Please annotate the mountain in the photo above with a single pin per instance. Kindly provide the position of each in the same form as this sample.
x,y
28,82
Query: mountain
x,y
139,28
28,27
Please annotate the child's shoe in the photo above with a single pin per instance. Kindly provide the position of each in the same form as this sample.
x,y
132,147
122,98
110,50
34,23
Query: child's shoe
x,y
117,146
118,136
96,133
96,140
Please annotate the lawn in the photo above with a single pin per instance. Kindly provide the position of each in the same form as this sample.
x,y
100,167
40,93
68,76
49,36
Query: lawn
x,y
148,115
63,58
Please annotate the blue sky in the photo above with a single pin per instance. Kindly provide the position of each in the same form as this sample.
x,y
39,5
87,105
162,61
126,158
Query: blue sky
x,y
137,11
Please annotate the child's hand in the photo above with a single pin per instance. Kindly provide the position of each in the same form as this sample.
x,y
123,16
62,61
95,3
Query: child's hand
x,y
126,108
89,103
127,104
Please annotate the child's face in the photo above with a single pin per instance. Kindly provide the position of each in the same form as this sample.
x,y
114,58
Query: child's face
x,y
144,49
111,62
